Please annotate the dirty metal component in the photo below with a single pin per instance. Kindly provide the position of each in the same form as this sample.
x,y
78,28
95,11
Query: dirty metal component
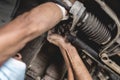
x,y
114,17
38,66
102,77
96,70
110,63
114,51
55,71
118,40
32,49
76,67
77,11
89,24
87,50
45,65
81,45
118,54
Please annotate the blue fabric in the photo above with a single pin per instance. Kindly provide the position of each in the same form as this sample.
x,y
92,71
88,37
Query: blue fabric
x,y
13,70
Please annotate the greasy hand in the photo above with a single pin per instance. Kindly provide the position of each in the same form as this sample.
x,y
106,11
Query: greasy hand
x,y
56,39
76,68
60,42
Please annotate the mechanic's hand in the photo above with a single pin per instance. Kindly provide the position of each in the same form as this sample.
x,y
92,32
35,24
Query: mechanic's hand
x,y
56,39
76,68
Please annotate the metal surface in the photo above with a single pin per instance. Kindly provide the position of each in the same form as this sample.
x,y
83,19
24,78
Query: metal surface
x,y
77,11
49,71
89,24
110,63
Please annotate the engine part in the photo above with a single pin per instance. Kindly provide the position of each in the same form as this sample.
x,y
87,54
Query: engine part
x,y
83,21
88,21
81,45
110,63
89,24
95,30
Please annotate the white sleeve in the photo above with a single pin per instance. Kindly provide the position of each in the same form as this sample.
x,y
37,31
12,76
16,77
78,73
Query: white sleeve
x,y
64,12
12,70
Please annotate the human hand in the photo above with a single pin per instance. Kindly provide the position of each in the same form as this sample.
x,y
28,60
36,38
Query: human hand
x,y
56,39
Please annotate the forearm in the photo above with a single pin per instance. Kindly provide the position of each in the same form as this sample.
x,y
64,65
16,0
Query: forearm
x,y
71,57
79,69
26,27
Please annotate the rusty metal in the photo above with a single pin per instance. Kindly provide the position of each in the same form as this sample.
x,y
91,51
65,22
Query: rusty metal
x,y
110,63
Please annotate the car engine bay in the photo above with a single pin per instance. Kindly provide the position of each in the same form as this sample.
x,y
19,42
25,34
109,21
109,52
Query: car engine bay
x,y
93,28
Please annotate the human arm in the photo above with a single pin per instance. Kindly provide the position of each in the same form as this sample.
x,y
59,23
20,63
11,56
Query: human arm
x,y
76,68
14,35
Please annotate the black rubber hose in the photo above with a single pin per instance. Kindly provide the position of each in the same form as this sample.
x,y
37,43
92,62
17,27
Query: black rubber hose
x,y
94,29
79,44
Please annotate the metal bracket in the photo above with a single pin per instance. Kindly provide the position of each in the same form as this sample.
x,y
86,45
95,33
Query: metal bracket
x,y
76,10
110,63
